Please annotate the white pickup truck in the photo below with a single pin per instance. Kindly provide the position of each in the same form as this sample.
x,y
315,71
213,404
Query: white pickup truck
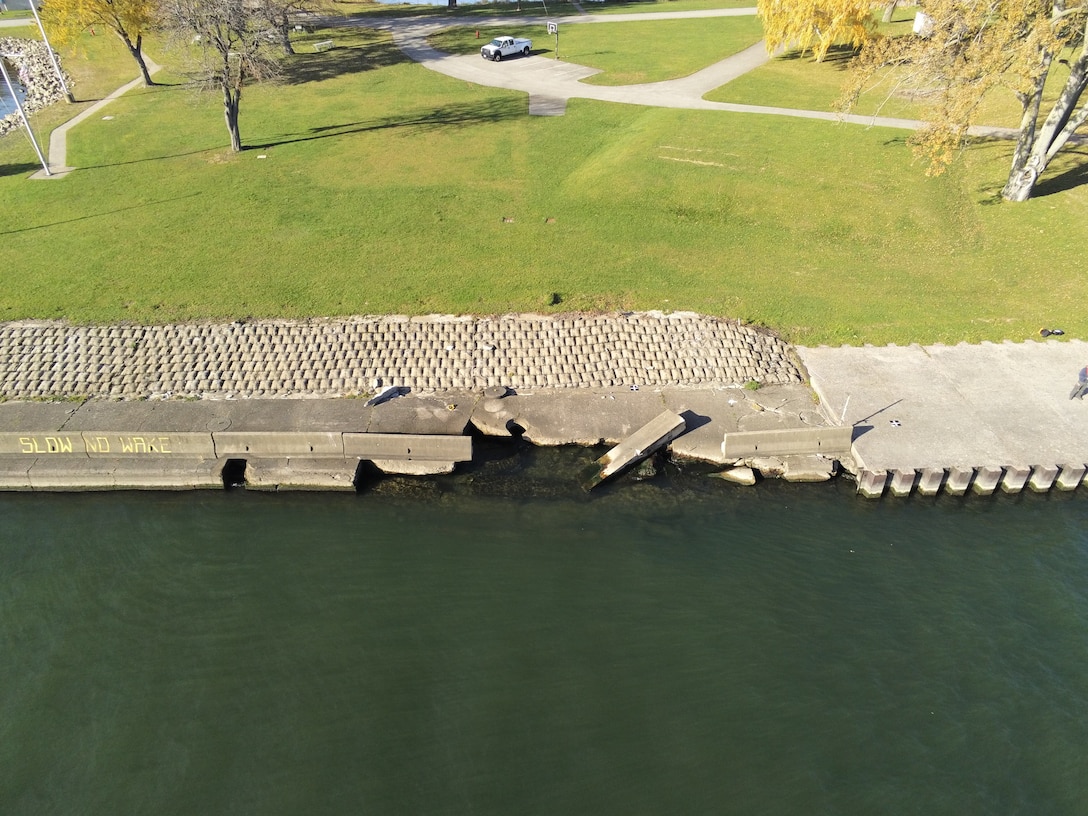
x,y
506,47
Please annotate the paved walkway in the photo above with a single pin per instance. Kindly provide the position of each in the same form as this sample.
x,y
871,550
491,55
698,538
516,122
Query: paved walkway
x,y
58,139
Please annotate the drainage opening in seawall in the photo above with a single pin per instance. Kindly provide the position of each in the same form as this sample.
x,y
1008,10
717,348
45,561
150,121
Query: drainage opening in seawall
x,y
367,475
234,474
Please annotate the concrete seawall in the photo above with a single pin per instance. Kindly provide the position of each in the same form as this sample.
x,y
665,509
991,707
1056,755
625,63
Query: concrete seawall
x,y
320,444
282,404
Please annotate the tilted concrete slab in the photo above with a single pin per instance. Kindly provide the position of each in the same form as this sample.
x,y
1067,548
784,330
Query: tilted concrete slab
x,y
609,415
440,414
787,441
300,474
244,444
143,474
711,414
569,417
656,433
413,467
408,447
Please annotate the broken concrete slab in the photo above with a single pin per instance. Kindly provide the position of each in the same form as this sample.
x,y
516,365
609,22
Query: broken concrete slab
x,y
650,437
300,474
737,475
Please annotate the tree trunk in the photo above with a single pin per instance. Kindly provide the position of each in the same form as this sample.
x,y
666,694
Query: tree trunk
x,y
136,49
1045,143
232,98
284,27
889,11
1018,179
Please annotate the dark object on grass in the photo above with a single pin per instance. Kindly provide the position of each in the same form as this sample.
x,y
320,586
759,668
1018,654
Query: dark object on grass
x,y
1048,332
1081,388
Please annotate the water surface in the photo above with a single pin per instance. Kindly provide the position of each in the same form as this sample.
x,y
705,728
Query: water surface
x,y
497,642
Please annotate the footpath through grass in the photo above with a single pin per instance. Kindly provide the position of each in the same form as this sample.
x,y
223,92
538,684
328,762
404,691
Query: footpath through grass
x,y
628,53
373,186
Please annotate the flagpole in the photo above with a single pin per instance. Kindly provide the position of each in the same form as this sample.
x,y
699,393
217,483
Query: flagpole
x,y
22,113
49,48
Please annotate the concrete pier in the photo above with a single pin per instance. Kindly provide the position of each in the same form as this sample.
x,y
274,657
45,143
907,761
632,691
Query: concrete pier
x,y
1070,477
1015,478
902,482
959,479
965,417
986,480
871,483
930,481
1042,478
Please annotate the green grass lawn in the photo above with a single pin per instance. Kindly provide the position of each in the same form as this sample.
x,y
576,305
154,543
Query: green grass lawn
x,y
627,53
536,8
644,6
372,185
793,80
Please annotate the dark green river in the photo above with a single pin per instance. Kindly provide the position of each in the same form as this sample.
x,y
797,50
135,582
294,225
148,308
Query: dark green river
x,y
497,642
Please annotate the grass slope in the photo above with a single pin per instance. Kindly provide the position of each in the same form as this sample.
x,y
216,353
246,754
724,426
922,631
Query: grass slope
x,y
376,186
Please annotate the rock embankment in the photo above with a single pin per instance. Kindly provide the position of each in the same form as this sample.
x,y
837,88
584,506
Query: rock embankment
x,y
34,71
353,356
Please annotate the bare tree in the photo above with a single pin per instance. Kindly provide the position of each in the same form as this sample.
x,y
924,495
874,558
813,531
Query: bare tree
x,y
234,44
278,13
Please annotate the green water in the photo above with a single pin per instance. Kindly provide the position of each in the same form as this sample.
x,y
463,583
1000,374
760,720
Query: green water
x,y
495,643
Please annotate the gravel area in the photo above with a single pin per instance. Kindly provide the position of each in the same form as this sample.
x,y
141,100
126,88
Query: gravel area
x,y
354,356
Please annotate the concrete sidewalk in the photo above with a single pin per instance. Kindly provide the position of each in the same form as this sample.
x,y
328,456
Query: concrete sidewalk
x,y
58,139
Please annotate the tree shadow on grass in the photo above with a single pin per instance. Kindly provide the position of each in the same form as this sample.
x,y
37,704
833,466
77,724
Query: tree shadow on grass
x,y
837,55
1067,179
458,115
340,60
140,90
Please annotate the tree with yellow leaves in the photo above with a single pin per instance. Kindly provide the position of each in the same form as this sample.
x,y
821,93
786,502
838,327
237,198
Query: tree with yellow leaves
x,y
815,25
130,20
970,48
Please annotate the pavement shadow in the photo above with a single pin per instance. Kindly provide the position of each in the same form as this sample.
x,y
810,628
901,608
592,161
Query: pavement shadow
x,y
339,60
693,420
456,115
18,169
90,216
